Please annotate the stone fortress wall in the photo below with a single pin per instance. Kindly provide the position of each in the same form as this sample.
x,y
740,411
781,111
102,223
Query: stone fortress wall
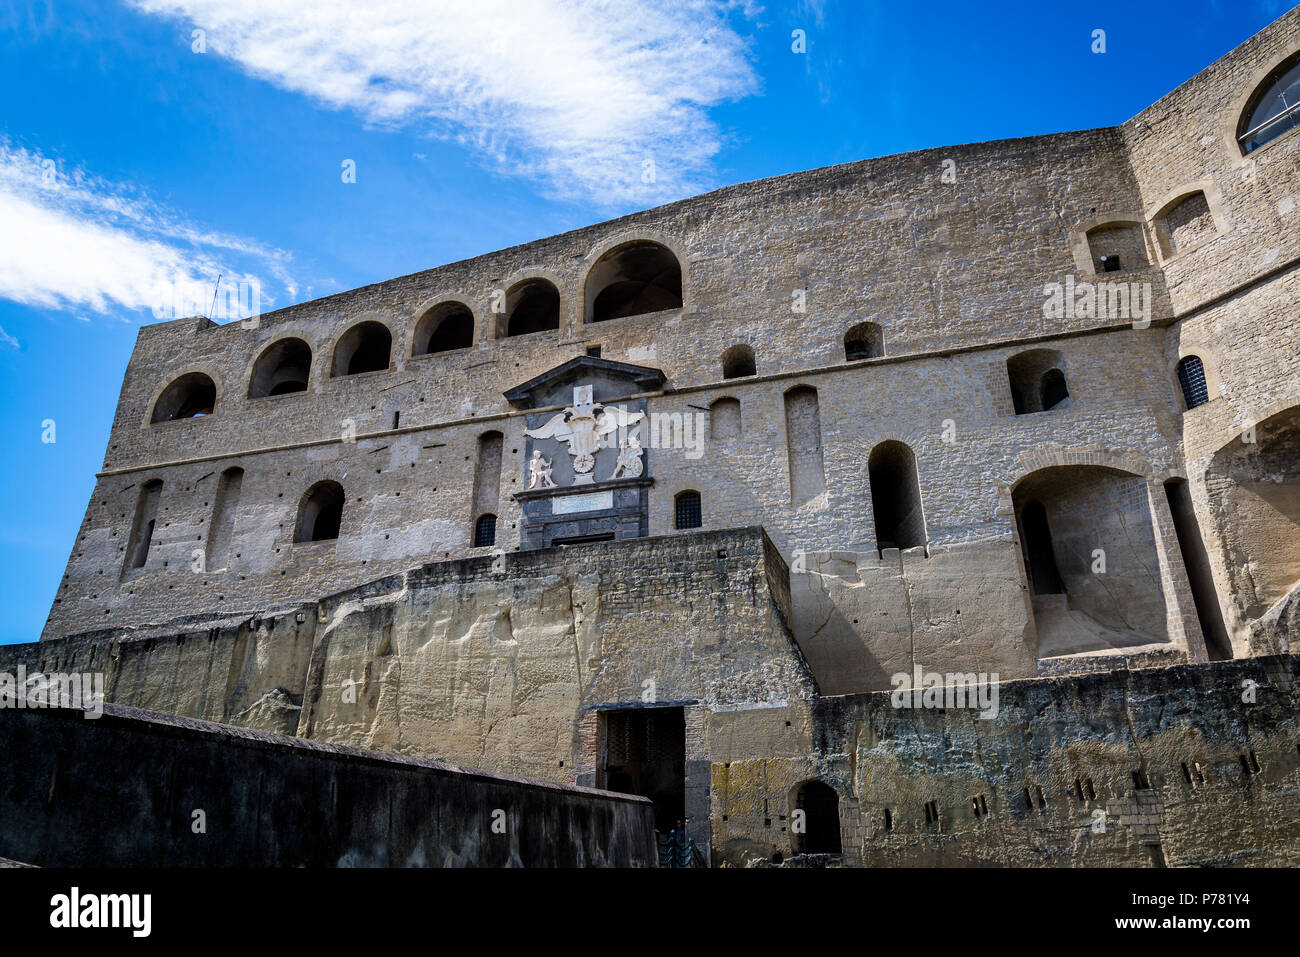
x,y
908,485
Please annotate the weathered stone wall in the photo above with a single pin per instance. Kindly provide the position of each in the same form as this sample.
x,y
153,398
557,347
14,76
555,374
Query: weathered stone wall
x,y
1234,726
953,273
489,662
122,791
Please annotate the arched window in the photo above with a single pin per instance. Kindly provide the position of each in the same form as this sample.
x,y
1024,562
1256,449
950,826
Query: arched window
x,y
738,361
532,306
896,496
687,510
1191,376
864,341
283,368
1273,109
366,347
1037,380
193,394
821,819
321,513
485,531
447,326
634,279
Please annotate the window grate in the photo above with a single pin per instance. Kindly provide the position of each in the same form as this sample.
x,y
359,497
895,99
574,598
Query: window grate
x,y
688,510
485,531
1191,376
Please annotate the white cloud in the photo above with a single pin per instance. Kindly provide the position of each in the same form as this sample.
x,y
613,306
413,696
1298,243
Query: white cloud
x,y
577,93
8,340
69,239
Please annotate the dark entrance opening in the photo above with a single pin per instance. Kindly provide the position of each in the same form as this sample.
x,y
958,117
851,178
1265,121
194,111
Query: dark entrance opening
x,y
1040,559
821,812
643,751
1197,563
584,539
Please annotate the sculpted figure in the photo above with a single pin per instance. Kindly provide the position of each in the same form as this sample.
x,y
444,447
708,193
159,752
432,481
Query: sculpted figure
x,y
539,471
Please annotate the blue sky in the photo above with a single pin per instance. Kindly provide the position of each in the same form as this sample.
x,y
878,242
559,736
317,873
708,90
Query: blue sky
x,y
131,162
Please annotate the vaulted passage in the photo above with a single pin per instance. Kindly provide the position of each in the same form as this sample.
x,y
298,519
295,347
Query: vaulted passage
x,y
191,395
803,436
896,497
320,517
366,347
532,306
634,279
821,819
284,368
447,326
643,751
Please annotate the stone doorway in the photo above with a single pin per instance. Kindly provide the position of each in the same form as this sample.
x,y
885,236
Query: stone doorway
x,y
643,751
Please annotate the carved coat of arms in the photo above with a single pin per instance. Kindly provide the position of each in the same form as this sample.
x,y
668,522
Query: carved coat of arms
x,y
584,426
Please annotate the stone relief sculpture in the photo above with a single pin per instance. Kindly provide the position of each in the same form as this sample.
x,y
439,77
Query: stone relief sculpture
x,y
583,426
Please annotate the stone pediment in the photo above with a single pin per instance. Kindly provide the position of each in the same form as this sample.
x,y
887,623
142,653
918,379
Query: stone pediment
x,y
609,380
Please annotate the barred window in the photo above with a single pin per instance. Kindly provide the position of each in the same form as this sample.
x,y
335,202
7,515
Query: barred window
x,y
688,510
1191,376
485,531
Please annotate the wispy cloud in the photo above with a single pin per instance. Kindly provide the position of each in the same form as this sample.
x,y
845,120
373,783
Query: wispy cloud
x,y
603,100
69,239
8,340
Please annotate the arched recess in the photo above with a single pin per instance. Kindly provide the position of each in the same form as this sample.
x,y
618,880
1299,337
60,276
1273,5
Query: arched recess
x,y
816,806
635,278
443,328
284,367
866,340
1118,246
532,305
738,362
189,396
1037,381
896,497
487,486
366,347
1091,559
725,423
320,514
142,526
